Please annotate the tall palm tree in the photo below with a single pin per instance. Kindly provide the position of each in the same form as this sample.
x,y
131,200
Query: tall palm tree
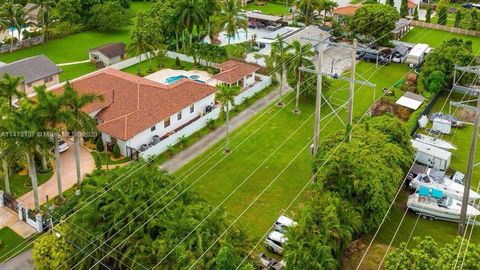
x,y
277,61
25,121
210,9
190,15
300,56
328,7
230,18
226,95
44,8
306,9
22,21
81,121
54,116
138,46
9,13
9,88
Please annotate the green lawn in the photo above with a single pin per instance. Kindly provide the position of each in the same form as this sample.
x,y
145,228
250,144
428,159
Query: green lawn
x,y
110,160
450,19
10,243
217,181
435,38
269,8
74,71
137,6
165,62
21,184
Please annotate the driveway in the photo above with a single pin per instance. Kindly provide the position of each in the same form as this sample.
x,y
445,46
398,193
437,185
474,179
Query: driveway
x,y
69,176
336,60
22,261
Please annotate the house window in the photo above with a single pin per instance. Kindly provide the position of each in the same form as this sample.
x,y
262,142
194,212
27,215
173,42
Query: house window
x,y
48,79
179,115
192,108
29,85
152,129
166,122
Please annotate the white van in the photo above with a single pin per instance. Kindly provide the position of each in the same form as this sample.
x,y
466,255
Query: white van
x,y
416,55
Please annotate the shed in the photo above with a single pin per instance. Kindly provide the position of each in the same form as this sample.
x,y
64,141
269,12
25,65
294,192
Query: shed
x,y
410,100
108,54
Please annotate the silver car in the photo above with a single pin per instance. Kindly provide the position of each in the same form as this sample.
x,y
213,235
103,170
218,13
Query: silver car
x,y
275,242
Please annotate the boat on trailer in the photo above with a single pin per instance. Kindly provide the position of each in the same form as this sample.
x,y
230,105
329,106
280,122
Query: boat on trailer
x,y
434,142
437,180
434,204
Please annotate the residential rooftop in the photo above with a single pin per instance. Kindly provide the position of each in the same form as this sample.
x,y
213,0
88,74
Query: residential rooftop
x,y
31,69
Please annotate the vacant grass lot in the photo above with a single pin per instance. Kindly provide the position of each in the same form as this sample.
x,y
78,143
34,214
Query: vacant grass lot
x,y
287,165
434,38
269,8
75,71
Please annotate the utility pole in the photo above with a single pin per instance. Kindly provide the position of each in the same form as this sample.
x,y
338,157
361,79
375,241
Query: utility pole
x,y
471,157
352,88
318,99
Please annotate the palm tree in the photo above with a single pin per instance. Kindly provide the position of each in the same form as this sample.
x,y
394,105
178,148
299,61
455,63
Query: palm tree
x,y
230,18
25,121
9,88
81,121
276,61
328,7
52,112
190,15
44,8
226,94
210,8
22,21
138,46
306,9
9,13
300,55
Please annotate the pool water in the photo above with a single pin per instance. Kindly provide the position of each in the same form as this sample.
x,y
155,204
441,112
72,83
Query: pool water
x,y
240,36
173,79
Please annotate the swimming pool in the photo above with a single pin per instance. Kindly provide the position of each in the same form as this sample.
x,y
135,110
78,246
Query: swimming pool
x,y
173,79
240,37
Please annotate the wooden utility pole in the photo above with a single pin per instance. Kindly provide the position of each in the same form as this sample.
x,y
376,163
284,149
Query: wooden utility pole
x,y
471,159
352,88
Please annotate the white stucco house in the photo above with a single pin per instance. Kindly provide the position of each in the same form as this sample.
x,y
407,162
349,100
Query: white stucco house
x,y
108,54
139,114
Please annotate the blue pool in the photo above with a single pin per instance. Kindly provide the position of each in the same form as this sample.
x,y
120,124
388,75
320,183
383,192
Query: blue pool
x,y
173,79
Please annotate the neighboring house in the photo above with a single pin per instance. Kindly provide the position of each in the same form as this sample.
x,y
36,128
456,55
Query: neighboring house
x,y
108,54
234,72
35,71
137,113
309,34
339,14
411,4
32,11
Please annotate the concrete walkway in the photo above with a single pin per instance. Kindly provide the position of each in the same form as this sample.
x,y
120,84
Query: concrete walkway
x,y
69,176
73,63
187,155
22,261
9,218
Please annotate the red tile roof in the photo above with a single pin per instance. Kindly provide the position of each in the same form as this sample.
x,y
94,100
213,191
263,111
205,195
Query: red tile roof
x,y
133,104
232,71
347,10
411,4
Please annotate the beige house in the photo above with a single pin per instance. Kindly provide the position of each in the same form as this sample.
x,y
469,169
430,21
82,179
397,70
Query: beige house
x,y
34,71
108,54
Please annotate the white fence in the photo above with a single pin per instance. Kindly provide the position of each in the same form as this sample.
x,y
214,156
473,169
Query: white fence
x,y
186,131
265,81
134,60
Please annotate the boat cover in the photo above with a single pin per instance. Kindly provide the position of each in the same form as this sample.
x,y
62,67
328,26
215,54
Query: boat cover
x,y
423,191
437,194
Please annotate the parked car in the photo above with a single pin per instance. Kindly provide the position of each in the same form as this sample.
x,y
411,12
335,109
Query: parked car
x,y
471,5
62,146
275,241
400,53
268,263
371,57
283,223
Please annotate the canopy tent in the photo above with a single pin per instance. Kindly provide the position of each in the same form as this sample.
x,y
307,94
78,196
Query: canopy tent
x,y
410,100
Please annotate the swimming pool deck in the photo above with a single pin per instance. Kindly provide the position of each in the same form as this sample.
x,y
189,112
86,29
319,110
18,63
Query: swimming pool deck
x,y
162,75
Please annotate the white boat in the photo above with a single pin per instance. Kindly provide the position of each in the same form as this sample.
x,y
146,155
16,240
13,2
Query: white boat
x,y
435,142
437,180
434,204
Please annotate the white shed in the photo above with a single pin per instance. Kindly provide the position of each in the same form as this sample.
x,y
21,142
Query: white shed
x,y
431,156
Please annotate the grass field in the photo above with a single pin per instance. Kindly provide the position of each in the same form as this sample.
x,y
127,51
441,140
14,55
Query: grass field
x,y
75,71
269,8
165,63
435,38
21,184
9,242
245,163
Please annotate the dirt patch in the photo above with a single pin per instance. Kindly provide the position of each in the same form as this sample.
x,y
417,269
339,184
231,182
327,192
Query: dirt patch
x,y
466,115
384,106
354,254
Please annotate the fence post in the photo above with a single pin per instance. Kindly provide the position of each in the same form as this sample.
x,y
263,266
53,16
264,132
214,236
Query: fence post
x,y
1,198
20,211
39,220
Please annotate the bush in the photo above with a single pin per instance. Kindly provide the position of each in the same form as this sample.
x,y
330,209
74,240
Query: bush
x,y
99,144
211,123
98,161
178,64
116,151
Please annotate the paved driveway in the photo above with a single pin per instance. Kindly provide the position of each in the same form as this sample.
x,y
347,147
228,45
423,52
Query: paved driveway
x,y
68,173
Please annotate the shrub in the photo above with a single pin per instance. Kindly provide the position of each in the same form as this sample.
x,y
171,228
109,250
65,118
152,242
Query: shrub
x,y
178,63
116,151
182,141
99,144
211,123
98,162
